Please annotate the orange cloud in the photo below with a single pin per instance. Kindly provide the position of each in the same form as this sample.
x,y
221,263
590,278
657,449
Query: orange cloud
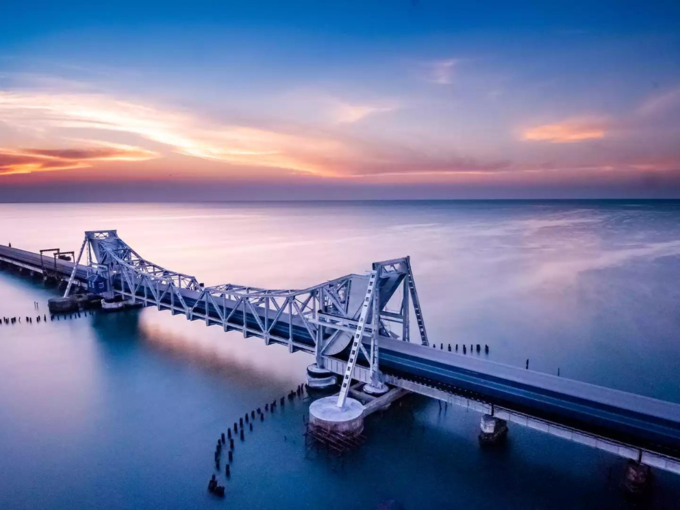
x,y
569,131
26,161
180,131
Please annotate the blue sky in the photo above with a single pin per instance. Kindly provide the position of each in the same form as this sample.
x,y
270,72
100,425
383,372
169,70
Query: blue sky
x,y
414,99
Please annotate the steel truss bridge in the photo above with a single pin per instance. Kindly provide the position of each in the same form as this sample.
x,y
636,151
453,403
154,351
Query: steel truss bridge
x,y
358,326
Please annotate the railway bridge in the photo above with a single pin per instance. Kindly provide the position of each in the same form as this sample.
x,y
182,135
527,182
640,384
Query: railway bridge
x,y
359,327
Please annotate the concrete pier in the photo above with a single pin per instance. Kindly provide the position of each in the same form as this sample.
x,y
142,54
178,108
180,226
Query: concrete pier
x,y
324,414
638,477
114,304
73,303
373,403
376,389
62,305
492,430
319,378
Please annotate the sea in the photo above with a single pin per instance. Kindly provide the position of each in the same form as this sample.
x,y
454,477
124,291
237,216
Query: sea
x,y
123,410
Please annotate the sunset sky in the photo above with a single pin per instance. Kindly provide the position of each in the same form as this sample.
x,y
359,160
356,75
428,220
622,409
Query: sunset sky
x,y
219,100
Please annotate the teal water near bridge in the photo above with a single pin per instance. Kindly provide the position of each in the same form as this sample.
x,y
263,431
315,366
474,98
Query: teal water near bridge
x,y
122,410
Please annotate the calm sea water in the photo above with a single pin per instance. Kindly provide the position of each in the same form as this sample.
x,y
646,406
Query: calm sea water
x,y
122,411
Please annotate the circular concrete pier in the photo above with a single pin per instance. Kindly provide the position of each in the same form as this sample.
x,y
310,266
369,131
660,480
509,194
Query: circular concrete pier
x,y
62,305
113,304
320,378
376,390
326,415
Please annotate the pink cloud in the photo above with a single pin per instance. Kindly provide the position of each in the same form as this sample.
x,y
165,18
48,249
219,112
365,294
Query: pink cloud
x,y
568,131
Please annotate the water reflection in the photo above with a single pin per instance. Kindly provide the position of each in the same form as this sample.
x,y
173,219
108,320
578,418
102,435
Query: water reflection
x,y
209,356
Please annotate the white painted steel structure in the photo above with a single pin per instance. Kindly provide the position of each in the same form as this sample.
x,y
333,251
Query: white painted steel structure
x,y
323,319
357,341
329,314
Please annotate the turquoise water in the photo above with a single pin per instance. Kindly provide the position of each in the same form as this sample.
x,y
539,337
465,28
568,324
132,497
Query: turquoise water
x,y
123,410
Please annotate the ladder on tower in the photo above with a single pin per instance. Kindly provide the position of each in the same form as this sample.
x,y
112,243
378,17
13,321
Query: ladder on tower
x,y
416,305
358,335
75,268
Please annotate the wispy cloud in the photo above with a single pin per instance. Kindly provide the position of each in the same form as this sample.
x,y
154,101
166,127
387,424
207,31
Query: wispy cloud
x,y
12,163
180,131
80,126
421,165
660,104
660,110
26,161
297,149
568,131
345,113
440,72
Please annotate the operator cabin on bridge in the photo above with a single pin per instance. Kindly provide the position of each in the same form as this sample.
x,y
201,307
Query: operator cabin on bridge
x,y
343,323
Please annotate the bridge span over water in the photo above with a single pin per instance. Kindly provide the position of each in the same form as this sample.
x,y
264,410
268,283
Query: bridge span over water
x,y
358,326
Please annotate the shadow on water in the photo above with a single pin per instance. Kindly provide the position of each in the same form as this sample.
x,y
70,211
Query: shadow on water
x,y
121,327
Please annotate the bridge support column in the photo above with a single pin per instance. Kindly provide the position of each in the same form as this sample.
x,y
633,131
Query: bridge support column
x,y
320,378
492,430
326,416
62,305
637,477
376,389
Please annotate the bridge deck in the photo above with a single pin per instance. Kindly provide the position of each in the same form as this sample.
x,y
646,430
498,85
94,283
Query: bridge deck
x,y
633,419
36,262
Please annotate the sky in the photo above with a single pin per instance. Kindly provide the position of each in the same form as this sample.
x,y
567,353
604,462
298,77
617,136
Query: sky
x,y
308,100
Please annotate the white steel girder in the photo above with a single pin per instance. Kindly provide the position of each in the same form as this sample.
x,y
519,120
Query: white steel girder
x,y
325,315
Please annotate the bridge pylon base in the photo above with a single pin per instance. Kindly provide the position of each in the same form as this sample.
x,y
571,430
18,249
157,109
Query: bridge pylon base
x,y
375,390
325,415
492,430
319,378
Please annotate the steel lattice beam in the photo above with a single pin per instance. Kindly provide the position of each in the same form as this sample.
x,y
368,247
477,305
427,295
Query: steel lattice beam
x,y
319,315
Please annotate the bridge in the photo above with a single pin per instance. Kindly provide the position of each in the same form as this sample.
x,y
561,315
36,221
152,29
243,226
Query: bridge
x,y
358,327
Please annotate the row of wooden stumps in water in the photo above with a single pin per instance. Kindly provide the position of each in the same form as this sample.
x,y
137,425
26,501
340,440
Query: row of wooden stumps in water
x,y
43,318
28,319
464,349
226,441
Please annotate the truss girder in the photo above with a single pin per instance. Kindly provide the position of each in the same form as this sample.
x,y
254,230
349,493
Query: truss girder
x,y
307,319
